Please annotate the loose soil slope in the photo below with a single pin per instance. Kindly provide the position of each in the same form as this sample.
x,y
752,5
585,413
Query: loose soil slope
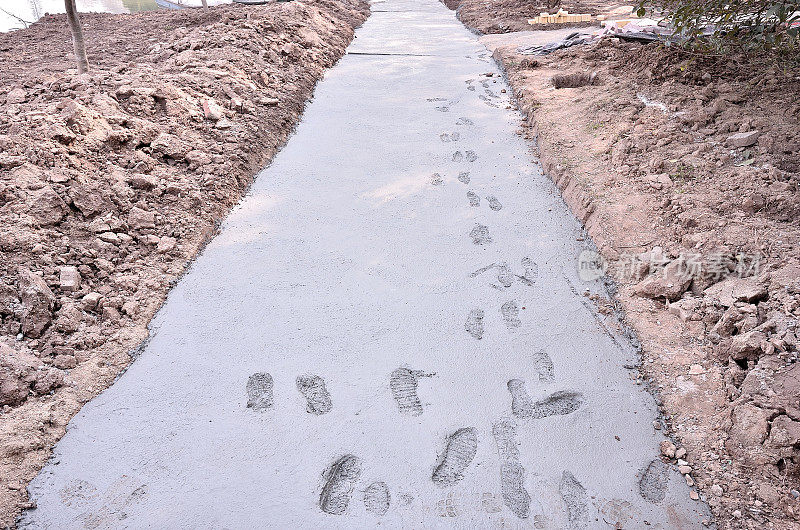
x,y
701,232
110,183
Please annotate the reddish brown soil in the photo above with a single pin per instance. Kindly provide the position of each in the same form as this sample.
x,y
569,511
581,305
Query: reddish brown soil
x,y
502,16
662,192
110,183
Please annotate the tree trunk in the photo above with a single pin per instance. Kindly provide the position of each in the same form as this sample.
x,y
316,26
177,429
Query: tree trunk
x,y
77,36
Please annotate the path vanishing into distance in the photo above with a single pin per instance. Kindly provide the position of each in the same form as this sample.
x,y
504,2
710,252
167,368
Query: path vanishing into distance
x,y
390,329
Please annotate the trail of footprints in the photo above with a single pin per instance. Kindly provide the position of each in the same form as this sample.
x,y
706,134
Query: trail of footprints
x,y
460,447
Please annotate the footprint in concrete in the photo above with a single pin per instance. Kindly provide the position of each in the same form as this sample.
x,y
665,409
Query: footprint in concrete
x,y
436,179
653,482
512,474
471,156
474,200
576,500
403,383
510,313
543,365
464,121
376,498
480,235
340,479
464,177
504,275
313,389
461,448
471,88
557,404
474,324
458,156
259,391
531,273
455,136
494,204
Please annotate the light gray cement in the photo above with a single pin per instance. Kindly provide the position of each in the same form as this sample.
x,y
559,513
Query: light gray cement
x,y
348,260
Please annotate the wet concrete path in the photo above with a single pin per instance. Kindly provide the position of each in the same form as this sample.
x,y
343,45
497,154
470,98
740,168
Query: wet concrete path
x,y
389,330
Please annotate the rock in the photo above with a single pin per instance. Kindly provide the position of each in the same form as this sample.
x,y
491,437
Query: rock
x,y
747,345
685,308
16,96
111,314
211,110
732,290
694,495
680,453
109,237
667,449
224,124
88,201
37,303
165,244
684,470
742,139
69,278
696,369
140,181
269,102
47,207
784,433
139,219
69,318
749,429
716,490
130,307
169,145
90,301
670,283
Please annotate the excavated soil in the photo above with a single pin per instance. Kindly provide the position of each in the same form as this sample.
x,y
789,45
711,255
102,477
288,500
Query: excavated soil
x,y
501,16
685,171
112,181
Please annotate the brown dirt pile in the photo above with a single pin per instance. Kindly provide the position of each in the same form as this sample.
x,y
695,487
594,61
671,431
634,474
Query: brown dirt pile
x,y
686,173
502,16
110,183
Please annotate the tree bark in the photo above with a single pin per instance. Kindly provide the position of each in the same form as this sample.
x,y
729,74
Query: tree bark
x,y
77,36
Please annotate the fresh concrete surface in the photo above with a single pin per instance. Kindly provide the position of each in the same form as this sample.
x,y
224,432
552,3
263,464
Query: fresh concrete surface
x,y
348,260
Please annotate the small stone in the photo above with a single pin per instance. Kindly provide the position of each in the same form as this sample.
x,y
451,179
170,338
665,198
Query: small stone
x,y
139,219
657,425
130,307
211,110
69,278
694,495
16,96
684,470
108,237
90,301
696,369
269,102
743,139
668,449
737,514
224,124
141,181
689,480
165,244
680,453
716,490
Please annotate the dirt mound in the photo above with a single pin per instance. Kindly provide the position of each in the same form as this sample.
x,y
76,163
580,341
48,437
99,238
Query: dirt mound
x,y
111,181
502,16
684,170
